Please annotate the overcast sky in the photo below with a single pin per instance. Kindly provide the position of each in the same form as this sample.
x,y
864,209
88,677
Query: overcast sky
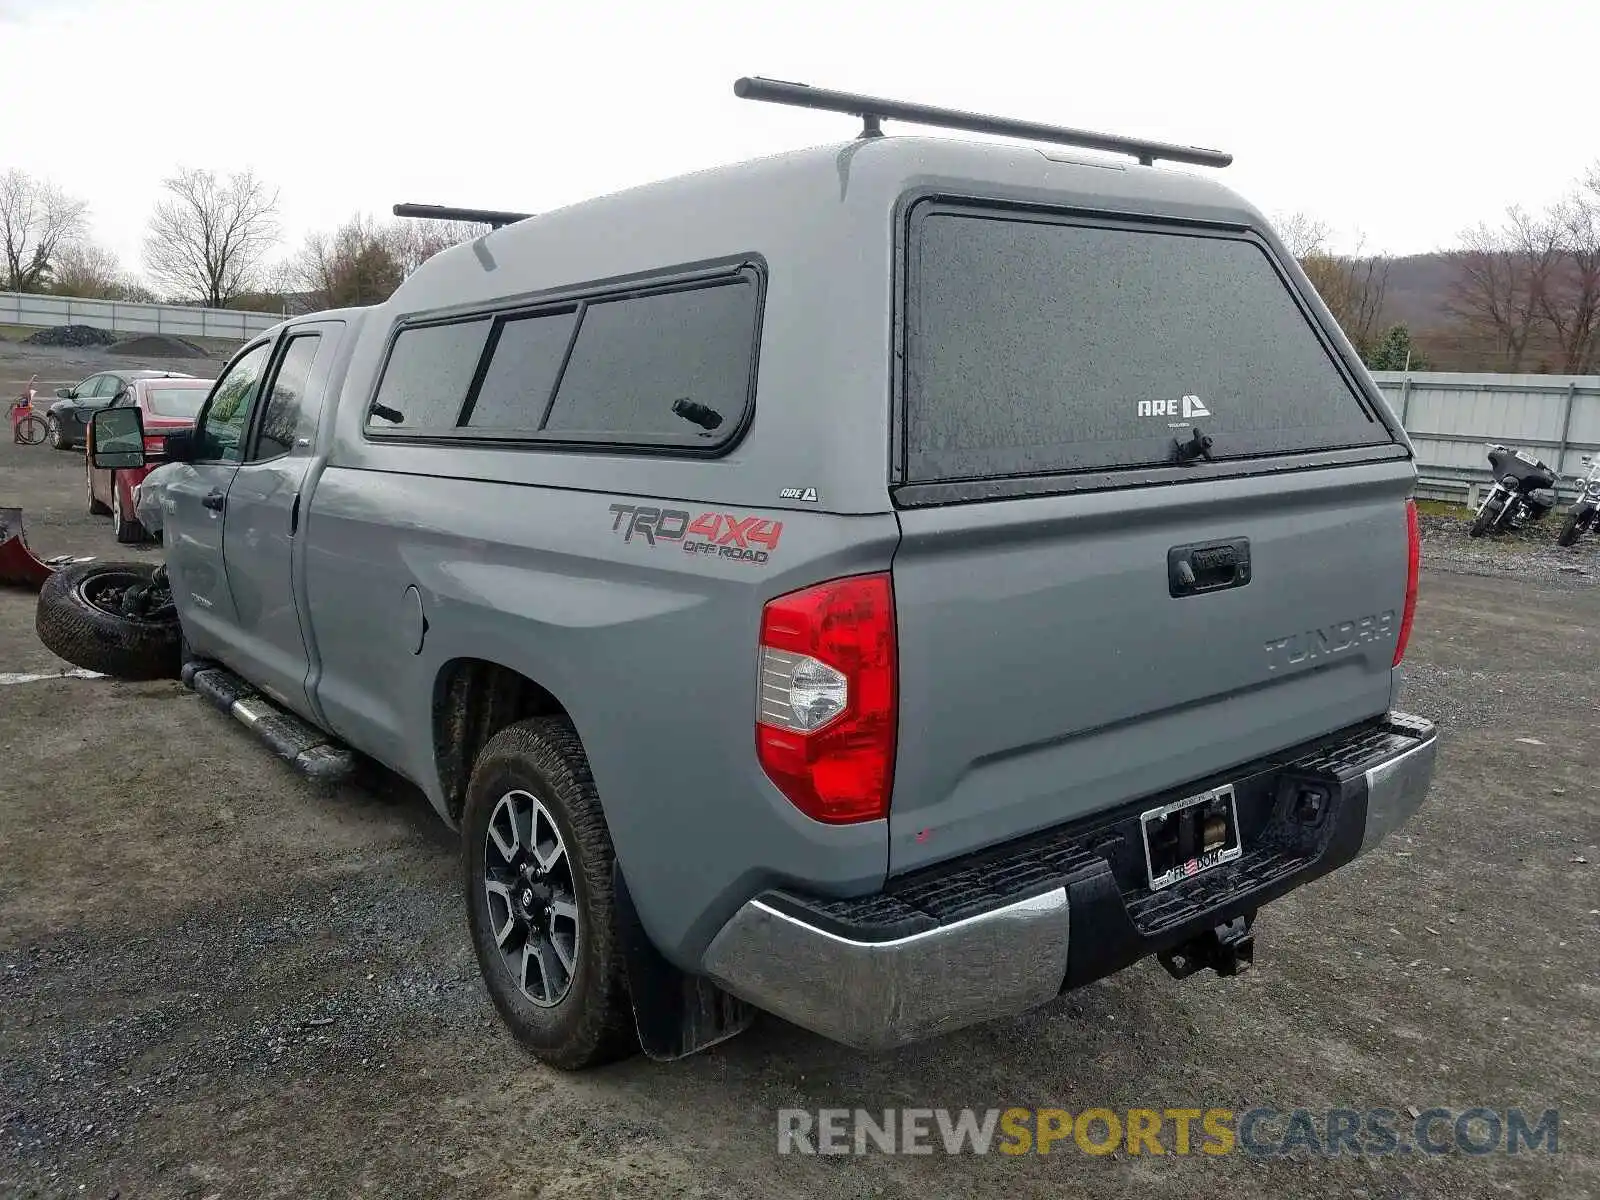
x,y
1405,121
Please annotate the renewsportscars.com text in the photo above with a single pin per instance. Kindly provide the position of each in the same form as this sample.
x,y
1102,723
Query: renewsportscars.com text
x,y
1260,1132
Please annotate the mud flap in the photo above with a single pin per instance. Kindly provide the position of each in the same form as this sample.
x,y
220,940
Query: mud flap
x,y
18,564
675,1013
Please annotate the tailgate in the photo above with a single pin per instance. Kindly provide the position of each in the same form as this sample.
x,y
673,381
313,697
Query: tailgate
x,y
1100,419
1047,671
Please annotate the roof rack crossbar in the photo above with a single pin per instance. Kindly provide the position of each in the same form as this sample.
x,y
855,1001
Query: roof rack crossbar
x,y
444,212
874,110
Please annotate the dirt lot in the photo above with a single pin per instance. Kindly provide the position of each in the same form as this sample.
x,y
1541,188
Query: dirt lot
x,y
217,981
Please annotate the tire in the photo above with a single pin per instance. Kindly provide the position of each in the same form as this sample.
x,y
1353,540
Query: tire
x,y
538,767
127,530
57,439
1571,530
79,619
30,431
97,508
1487,516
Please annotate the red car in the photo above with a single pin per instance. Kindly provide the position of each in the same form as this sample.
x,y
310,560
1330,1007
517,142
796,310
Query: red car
x,y
168,404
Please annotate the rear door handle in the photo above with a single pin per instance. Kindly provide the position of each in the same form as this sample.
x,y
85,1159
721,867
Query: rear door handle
x,y
214,500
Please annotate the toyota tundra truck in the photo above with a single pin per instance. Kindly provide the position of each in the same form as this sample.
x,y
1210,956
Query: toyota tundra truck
x,y
883,585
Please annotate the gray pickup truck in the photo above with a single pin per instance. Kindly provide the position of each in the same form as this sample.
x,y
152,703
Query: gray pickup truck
x,y
885,585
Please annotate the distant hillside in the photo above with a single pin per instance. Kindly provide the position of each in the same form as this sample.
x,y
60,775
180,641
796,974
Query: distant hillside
x,y
1419,285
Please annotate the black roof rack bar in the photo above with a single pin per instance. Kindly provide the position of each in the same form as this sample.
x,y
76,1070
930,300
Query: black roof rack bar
x,y
444,212
873,111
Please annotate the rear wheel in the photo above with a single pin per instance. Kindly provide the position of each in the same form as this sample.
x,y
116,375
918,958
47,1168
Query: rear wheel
x,y
128,529
97,507
1487,516
537,863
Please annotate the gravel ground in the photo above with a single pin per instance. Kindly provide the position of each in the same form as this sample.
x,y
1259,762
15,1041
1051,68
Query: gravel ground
x,y
217,980
1530,554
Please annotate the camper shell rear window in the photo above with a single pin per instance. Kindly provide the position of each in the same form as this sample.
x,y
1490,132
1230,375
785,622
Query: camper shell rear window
x,y
1043,344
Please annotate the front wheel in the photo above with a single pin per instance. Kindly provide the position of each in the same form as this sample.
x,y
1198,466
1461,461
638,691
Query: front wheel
x,y
58,439
1571,530
537,862
1487,517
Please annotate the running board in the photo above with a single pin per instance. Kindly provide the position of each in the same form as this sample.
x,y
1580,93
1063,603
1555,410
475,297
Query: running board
x,y
302,745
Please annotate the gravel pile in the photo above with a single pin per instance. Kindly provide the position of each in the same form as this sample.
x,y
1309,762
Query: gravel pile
x,y
72,335
158,345
1529,553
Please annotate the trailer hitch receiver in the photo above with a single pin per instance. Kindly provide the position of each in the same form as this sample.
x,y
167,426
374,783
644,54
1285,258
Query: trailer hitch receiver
x,y
1228,950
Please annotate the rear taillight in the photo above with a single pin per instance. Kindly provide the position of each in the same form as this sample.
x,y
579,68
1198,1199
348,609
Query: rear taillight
x,y
825,711
154,445
1413,566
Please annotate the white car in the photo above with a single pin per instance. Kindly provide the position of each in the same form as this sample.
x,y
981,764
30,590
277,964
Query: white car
x,y
147,496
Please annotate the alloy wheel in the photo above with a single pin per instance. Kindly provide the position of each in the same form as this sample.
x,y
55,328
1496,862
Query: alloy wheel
x,y
531,892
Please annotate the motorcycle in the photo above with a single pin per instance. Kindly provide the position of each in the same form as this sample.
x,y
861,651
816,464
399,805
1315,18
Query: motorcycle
x,y
1524,490
1581,517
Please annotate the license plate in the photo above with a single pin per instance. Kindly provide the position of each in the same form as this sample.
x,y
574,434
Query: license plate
x,y
1189,836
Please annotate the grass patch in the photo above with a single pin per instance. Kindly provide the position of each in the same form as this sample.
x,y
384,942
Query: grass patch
x,y
1442,508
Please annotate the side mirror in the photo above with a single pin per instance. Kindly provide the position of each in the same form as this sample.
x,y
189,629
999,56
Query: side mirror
x,y
64,393
117,439
180,445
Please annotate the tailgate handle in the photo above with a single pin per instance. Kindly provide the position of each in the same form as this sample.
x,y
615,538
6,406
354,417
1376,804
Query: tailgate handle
x,y
1208,567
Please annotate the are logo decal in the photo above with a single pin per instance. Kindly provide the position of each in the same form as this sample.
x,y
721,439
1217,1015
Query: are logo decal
x,y
1186,407
713,534
806,495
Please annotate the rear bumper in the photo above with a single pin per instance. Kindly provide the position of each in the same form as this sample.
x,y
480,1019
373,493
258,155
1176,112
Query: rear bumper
x,y
1005,930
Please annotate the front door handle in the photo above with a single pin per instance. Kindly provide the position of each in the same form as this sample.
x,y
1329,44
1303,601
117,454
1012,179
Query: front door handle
x,y
214,500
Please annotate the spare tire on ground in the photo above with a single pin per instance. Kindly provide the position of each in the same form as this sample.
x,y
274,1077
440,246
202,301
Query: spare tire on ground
x,y
113,617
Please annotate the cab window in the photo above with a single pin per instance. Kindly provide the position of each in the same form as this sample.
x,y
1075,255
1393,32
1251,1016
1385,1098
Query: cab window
x,y
227,414
286,419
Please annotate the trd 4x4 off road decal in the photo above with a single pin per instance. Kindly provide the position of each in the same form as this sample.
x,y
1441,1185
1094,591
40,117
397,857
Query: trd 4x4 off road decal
x,y
717,534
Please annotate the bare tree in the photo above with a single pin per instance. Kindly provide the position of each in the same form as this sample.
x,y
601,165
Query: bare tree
x,y
1302,233
37,221
94,273
413,241
1570,300
209,238
364,260
1501,280
1353,286
352,265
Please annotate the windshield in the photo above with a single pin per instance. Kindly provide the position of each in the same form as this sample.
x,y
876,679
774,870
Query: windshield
x,y
175,401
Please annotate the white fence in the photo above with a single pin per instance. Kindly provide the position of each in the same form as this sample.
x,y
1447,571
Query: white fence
x,y
180,320
1454,417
